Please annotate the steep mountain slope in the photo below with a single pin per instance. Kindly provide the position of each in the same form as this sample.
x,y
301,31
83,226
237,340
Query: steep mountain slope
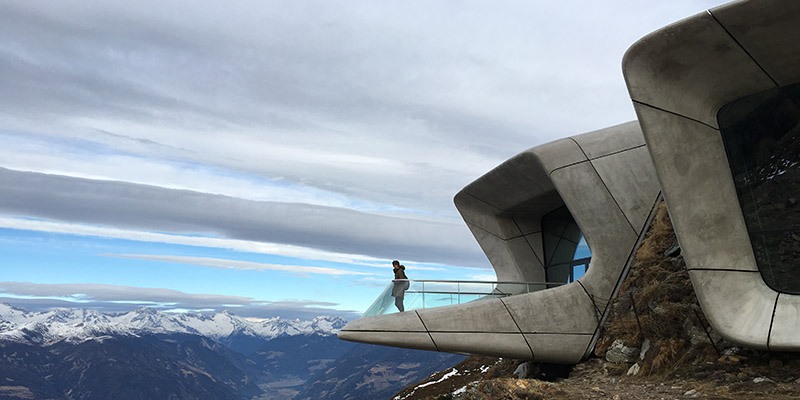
x,y
374,372
179,366
146,354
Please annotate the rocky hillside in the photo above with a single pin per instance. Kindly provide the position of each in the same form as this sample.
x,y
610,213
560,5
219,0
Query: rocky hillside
x,y
374,372
74,354
656,344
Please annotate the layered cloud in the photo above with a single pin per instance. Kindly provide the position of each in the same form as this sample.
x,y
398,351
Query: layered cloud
x,y
241,265
310,129
157,209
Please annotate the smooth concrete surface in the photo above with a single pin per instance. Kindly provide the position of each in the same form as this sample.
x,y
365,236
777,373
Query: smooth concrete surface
x,y
679,78
520,168
698,188
490,344
504,209
405,321
610,140
514,263
742,315
668,69
565,309
529,257
558,348
410,340
603,224
482,316
557,154
786,324
768,30
486,217
535,242
622,182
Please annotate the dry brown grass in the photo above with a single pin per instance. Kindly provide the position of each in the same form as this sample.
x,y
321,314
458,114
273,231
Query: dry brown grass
x,y
656,302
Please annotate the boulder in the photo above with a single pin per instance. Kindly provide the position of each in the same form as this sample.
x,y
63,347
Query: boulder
x,y
619,353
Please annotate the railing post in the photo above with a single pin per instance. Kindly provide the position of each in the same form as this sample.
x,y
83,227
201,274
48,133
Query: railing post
x,y
458,293
423,295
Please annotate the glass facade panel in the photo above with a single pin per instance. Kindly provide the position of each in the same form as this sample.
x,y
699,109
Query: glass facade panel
x,y
566,252
762,138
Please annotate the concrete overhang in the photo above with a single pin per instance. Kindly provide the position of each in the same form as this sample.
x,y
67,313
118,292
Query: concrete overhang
x,y
679,78
607,182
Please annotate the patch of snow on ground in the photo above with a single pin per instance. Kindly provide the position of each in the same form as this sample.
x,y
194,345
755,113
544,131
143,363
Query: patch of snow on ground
x,y
444,377
460,390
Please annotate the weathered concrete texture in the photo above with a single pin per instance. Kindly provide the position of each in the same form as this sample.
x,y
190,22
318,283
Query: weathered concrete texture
x,y
785,329
768,30
485,217
405,322
610,140
630,186
607,182
411,340
558,348
520,263
691,164
669,69
488,344
679,78
484,316
602,222
565,309
742,304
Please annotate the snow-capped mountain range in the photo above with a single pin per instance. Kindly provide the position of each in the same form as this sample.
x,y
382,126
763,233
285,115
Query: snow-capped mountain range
x,y
78,325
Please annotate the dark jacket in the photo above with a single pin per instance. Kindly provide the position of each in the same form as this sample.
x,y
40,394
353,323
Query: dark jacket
x,y
400,272
400,287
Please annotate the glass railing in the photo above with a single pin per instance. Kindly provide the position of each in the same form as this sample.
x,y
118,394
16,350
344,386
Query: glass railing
x,y
429,294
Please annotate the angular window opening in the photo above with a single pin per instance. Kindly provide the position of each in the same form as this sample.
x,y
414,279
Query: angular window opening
x,y
566,253
761,134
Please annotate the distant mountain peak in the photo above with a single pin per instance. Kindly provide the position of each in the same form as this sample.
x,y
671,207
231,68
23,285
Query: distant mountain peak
x,y
79,325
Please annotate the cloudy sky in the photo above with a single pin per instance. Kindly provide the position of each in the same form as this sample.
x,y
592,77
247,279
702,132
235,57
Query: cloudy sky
x,y
273,157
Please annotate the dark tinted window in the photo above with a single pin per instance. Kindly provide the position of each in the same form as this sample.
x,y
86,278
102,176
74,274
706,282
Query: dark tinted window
x,y
762,139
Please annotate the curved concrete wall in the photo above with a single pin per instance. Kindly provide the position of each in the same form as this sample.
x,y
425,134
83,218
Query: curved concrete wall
x,y
606,180
678,78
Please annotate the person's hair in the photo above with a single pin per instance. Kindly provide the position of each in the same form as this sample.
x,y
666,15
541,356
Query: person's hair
x,y
395,262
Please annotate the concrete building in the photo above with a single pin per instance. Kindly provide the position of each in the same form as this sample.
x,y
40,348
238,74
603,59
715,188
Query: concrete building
x,y
718,132
528,215
717,98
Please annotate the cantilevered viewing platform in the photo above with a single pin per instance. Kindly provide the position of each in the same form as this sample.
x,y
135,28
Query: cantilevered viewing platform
x,y
531,215
423,294
717,97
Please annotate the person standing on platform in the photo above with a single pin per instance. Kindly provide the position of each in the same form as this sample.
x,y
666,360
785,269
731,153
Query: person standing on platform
x,y
401,284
